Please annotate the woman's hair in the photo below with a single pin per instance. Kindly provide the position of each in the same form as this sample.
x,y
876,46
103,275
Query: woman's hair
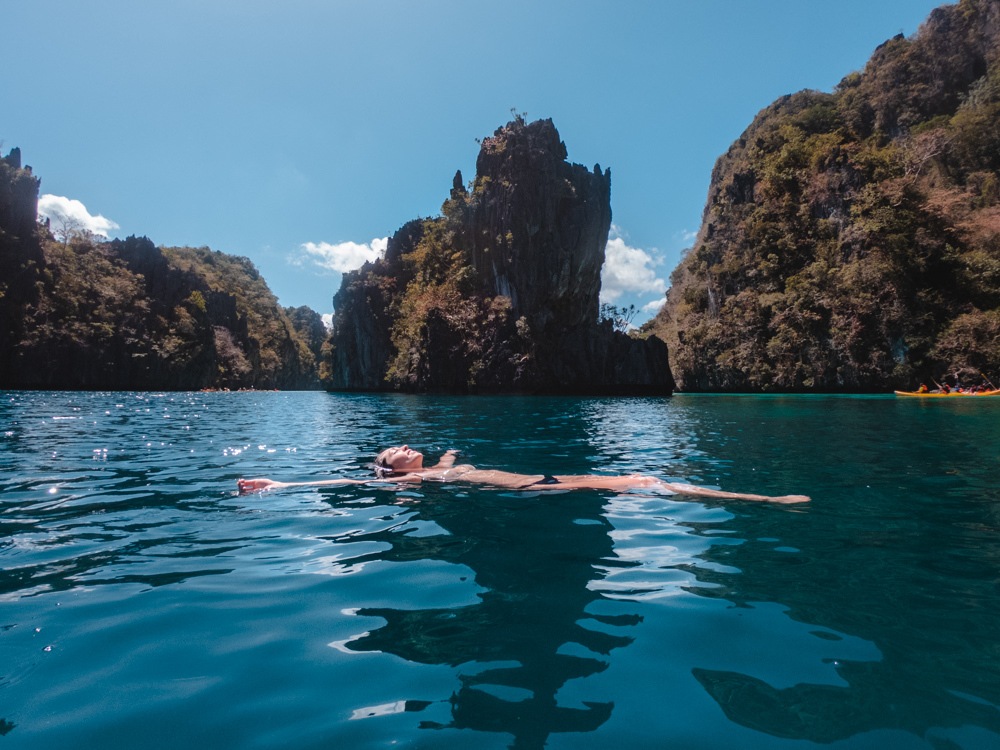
x,y
382,468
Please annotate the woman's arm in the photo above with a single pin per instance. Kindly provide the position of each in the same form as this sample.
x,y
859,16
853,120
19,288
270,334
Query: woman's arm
x,y
262,484
401,478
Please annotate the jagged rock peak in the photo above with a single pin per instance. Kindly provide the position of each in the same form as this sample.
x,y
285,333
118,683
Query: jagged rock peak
x,y
501,292
13,159
540,224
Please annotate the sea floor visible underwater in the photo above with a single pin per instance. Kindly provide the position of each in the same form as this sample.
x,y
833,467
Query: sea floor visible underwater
x,y
144,604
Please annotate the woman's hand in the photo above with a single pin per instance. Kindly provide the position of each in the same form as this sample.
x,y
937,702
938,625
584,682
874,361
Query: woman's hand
x,y
447,460
257,485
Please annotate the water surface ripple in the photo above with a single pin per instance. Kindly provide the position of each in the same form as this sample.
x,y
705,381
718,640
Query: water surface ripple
x,y
144,604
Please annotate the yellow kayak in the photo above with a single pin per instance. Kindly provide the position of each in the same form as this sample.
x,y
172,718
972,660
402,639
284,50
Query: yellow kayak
x,y
952,394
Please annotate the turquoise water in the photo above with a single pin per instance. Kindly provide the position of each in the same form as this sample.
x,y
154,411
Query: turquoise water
x,y
143,604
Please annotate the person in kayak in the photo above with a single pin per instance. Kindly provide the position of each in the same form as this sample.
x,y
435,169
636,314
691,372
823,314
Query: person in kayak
x,y
403,464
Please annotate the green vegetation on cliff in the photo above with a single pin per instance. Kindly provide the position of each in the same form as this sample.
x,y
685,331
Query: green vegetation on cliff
x,y
84,313
851,241
419,320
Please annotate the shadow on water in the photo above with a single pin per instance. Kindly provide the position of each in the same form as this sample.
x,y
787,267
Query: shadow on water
x,y
899,550
536,560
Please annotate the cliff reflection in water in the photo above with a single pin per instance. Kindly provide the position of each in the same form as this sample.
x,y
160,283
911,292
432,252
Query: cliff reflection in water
x,y
536,560
905,561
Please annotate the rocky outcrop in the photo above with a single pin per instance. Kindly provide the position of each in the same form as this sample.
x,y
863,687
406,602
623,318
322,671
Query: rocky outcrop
x,y
21,259
361,342
500,293
127,315
19,246
18,197
309,325
539,227
849,239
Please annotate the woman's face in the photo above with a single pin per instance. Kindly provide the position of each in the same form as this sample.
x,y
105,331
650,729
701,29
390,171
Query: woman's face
x,y
403,458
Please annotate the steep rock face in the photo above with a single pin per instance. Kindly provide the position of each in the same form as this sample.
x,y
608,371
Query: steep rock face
x,y
21,259
308,324
500,293
540,226
849,240
365,310
223,322
18,197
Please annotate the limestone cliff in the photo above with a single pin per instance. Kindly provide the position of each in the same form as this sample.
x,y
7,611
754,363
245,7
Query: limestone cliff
x,y
539,226
18,197
851,240
21,257
84,313
499,293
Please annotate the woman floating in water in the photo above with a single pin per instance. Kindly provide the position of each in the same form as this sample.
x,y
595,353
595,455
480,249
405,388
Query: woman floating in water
x,y
403,464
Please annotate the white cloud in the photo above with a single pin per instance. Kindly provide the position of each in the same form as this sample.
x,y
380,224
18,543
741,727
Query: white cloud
x,y
627,270
654,307
327,320
344,256
66,215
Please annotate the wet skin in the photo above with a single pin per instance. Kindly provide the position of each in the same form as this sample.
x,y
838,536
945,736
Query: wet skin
x,y
407,465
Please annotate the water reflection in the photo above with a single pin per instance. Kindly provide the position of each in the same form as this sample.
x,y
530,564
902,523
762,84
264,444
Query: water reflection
x,y
901,554
826,713
873,609
930,670
523,641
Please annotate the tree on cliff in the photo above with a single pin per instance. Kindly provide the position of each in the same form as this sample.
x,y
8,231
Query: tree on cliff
x,y
851,241
500,292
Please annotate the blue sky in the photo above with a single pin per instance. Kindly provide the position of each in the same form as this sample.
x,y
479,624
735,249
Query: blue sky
x,y
301,133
